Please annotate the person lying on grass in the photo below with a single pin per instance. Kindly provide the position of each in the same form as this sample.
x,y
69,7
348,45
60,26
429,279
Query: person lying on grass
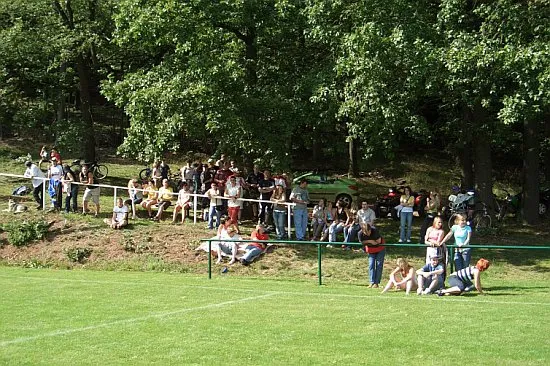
x,y
407,274
120,215
461,280
229,248
253,250
430,277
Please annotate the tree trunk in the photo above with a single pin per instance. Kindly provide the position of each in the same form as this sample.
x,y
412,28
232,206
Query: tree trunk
x,y
483,166
467,179
466,166
87,120
353,170
531,161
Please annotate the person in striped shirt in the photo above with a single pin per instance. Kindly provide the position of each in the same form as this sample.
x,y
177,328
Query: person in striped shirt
x,y
466,277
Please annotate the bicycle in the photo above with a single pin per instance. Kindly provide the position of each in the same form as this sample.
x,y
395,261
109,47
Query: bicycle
x,y
482,220
145,174
100,171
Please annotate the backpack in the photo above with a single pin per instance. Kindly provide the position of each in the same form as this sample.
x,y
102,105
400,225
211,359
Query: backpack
x,y
21,191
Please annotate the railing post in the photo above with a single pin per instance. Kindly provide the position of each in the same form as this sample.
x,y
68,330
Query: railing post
x,y
195,200
209,259
452,258
319,249
288,221
44,194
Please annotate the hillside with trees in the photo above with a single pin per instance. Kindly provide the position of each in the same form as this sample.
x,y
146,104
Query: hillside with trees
x,y
290,84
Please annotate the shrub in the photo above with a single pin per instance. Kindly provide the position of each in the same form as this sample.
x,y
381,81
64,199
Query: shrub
x,y
77,254
23,232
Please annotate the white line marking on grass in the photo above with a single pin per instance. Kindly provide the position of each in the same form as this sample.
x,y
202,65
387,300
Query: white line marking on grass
x,y
130,321
412,297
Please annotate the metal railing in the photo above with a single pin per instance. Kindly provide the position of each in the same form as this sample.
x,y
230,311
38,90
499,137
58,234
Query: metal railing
x,y
322,244
195,196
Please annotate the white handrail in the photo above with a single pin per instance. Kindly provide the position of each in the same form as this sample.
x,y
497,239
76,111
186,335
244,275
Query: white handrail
x,y
195,196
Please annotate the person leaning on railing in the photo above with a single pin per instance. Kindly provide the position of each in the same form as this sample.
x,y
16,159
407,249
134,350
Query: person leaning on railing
x,y
371,239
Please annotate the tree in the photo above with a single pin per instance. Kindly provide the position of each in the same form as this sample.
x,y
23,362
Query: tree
x,y
230,71
496,72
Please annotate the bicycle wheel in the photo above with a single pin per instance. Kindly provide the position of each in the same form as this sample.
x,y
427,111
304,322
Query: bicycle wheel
x,y
101,171
482,222
452,219
145,174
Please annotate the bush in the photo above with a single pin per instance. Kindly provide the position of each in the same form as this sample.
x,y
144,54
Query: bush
x,y
21,233
78,254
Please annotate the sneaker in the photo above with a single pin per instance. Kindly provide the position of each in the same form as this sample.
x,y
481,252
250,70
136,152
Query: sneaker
x,y
426,292
439,293
469,288
400,241
408,241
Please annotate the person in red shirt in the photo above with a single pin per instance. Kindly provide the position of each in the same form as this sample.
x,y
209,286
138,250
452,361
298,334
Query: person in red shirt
x,y
253,250
55,154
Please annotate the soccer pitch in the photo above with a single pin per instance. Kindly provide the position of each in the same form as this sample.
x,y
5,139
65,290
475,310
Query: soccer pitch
x,y
57,317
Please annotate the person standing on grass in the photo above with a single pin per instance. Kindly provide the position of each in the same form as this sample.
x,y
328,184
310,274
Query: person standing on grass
x,y
372,241
432,208
279,211
433,238
35,174
462,234
136,195
406,215
233,193
408,277
300,196
92,190
44,156
430,277
463,280
70,188
216,208
55,174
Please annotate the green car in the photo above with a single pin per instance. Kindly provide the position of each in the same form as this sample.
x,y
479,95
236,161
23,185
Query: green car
x,y
332,188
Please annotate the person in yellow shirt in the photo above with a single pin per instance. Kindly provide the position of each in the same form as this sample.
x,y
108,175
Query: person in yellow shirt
x,y
165,195
151,194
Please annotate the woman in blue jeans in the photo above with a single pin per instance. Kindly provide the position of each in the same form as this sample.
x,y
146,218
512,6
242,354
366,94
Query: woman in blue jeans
x,y
372,241
279,211
462,234
407,203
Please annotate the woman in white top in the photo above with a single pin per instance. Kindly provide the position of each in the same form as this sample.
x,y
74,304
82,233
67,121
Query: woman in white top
x,y
407,202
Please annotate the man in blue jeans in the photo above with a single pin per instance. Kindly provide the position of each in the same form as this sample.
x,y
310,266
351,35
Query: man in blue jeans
x,y
300,196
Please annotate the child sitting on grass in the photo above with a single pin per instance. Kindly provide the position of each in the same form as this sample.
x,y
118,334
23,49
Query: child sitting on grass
x,y
407,274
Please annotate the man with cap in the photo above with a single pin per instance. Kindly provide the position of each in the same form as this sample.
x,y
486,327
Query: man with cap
x,y
35,174
430,277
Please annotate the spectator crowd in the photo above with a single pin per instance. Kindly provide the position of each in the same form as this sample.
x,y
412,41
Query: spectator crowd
x,y
223,188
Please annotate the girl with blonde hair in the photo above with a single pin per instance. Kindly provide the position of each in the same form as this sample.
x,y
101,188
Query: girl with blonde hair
x,y
407,276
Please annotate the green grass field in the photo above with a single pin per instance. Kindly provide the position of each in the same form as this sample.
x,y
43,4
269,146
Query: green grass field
x,y
60,317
